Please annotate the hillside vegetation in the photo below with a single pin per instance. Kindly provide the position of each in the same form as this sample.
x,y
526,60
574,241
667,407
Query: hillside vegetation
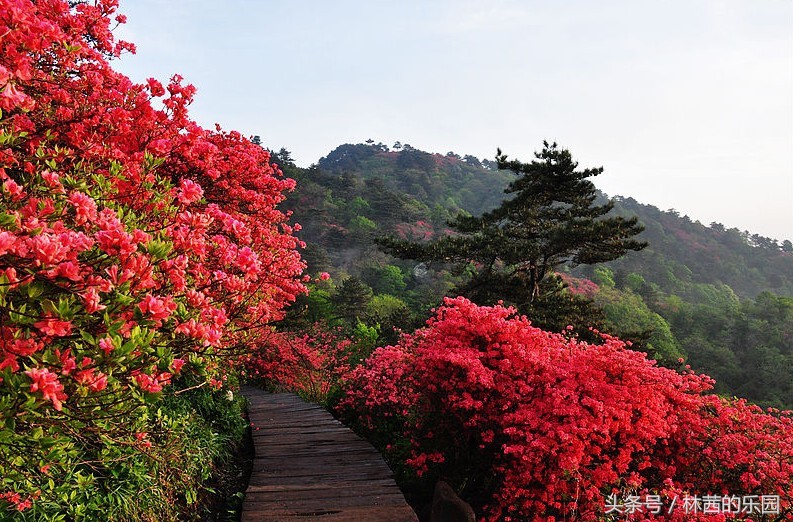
x,y
719,298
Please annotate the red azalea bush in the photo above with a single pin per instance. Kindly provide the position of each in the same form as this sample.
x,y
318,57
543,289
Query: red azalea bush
x,y
134,246
310,363
545,427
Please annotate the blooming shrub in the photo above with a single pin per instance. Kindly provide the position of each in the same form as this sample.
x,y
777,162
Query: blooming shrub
x,y
310,363
418,231
135,246
579,286
540,426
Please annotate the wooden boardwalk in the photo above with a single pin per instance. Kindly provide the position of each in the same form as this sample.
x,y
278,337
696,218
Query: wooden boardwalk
x,y
308,465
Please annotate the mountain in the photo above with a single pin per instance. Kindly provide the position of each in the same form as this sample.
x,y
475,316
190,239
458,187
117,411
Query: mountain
x,y
720,298
450,181
682,252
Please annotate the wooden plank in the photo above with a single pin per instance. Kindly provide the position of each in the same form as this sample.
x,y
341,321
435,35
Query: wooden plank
x,y
312,488
367,514
308,465
261,493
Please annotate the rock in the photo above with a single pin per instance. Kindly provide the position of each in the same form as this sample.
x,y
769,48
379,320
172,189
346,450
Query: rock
x,y
448,507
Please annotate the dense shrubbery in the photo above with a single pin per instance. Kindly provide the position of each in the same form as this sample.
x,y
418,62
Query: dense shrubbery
x,y
310,363
135,247
547,426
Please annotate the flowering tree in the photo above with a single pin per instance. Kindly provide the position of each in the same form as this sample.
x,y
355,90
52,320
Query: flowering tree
x,y
134,245
545,425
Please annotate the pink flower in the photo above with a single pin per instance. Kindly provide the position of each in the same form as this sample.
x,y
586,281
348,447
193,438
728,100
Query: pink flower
x,y
196,299
69,270
47,383
84,206
96,381
91,301
7,242
23,347
52,179
106,345
68,363
177,365
116,242
189,192
54,327
48,249
11,187
324,276
11,97
247,260
139,236
157,308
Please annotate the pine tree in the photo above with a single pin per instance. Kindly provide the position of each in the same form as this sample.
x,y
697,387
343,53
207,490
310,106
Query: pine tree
x,y
549,219
351,299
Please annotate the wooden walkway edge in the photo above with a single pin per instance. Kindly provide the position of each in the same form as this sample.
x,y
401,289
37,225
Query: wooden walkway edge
x,y
309,465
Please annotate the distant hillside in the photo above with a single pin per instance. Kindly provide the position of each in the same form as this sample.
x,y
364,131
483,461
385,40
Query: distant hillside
x,y
680,252
450,181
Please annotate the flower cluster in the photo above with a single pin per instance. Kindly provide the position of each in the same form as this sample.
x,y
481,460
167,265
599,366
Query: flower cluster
x,y
418,231
134,244
548,426
579,286
310,363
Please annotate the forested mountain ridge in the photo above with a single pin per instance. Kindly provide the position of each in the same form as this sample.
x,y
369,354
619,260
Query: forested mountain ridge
x,y
451,181
719,298
680,251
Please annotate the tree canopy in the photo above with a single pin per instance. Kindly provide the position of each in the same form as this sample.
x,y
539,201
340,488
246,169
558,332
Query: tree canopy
x,y
548,219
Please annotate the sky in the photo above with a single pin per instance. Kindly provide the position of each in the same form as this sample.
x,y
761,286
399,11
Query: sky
x,y
686,104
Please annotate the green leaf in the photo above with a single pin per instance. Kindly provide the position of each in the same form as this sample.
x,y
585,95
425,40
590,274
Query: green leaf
x,y
8,221
159,249
49,306
35,289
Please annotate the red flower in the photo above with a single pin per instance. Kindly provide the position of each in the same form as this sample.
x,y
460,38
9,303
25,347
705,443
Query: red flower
x,y
148,383
552,423
54,327
47,383
157,308
189,191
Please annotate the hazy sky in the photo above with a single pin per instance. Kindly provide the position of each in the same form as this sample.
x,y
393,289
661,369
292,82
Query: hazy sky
x,y
687,104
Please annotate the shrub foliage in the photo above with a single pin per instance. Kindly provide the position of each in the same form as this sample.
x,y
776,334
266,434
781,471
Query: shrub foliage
x,y
135,246
544,425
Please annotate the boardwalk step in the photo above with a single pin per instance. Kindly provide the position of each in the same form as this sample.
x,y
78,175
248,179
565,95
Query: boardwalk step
x,y
307,465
